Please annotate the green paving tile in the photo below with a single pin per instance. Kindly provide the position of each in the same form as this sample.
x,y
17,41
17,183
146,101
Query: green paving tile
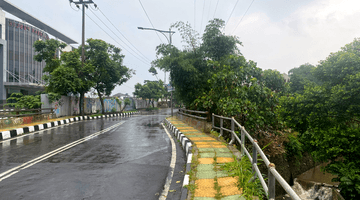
x,y
195,135
207,155
222,150
204,198
201,150
228,155
221,174
205,167
233,197
205,174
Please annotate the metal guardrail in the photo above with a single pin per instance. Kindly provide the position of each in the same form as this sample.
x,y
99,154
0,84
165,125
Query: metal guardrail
x,y
183,112
273,175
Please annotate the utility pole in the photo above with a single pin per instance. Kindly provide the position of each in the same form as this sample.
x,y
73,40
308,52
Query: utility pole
x,y
84,4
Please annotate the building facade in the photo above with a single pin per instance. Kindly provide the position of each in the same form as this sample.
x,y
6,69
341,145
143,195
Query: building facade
x,y
19,72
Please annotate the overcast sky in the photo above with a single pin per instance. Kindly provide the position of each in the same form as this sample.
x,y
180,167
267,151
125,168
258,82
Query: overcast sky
x,y
277,34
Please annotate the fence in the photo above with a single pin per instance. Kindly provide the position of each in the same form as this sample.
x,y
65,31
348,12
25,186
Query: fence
x,y
272,173
183,112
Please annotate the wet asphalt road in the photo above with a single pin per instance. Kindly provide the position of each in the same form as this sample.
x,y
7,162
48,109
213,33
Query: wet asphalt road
x,y
130,161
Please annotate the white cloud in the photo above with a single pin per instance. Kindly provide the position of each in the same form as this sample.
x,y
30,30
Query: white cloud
x,y
309,34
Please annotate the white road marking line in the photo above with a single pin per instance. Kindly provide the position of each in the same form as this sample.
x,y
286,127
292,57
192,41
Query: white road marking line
x,y
14,170
172,167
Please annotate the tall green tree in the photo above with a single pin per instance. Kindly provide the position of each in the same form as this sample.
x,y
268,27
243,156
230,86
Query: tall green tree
x,y
109,70
327,116
151,90
65,74
274,80
300,77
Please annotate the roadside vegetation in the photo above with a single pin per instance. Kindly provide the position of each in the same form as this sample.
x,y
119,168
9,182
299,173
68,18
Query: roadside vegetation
x,y
103,69
317,111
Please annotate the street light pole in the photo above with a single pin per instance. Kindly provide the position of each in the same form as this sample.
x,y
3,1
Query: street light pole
x,y
169,40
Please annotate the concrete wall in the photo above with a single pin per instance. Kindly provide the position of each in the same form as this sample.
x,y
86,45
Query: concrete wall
x,y
69,106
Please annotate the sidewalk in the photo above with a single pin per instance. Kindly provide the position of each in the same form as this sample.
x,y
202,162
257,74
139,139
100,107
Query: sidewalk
x,y
211,182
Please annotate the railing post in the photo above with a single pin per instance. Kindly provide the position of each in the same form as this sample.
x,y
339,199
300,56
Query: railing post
x,y
271,182
254,159
212,121
242,142
221,126
232,130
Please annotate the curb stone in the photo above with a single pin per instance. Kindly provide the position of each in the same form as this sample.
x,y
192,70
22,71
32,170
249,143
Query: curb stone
x,y
28,129
187,147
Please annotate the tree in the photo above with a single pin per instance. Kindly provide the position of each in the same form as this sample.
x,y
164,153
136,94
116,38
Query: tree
x,y
109,70
300,77
216,44
274,80
327,117
65,75
151,90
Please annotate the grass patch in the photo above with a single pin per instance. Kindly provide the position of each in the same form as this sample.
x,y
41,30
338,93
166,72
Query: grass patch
x,y
95,115
243,170
192,174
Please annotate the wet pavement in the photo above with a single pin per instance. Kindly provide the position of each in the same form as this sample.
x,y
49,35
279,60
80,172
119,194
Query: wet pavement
x,y
130,161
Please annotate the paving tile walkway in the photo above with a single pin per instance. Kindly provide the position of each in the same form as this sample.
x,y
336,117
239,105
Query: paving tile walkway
x,y
211,155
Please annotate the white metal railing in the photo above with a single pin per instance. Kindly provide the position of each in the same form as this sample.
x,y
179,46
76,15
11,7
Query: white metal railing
x,y
273,175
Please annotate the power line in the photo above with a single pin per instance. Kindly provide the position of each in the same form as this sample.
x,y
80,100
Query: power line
x,y
114,39
194,14
202,17
242,17
216,8
207,19
231,13
123,35
150,21
118,36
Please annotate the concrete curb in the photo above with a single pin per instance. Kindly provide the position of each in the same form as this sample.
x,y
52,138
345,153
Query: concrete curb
x,y
187,147
20,131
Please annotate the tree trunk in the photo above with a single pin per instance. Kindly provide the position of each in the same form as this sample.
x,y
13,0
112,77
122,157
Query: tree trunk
x,y
102,102
153,103
81,103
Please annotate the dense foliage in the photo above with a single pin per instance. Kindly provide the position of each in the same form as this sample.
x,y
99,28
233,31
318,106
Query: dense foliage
x,y
151,90
318,110
102,70
20,101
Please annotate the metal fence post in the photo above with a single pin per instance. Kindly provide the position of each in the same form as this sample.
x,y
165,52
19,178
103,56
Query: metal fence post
x,y
254,159
221,126
271,182
232,130
212,121
242,142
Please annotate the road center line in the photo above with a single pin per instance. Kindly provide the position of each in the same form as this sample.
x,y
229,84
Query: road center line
x,y
32,162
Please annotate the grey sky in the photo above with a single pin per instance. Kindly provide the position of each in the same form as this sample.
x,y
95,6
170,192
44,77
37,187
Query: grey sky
x,y
277,34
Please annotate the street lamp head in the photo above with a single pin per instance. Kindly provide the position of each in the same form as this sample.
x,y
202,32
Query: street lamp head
x,y
141,28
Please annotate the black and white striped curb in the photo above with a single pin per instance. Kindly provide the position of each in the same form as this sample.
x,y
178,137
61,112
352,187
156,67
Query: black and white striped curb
x,y
187,147
16,132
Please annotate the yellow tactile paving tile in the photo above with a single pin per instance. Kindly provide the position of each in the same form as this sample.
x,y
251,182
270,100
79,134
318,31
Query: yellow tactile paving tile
x,y
228,186
224,160
206,160
202,138
210,146
209,143
205,188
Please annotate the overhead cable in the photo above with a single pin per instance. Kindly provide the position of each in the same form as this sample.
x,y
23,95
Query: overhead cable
x,y
150,21
202,17
119,37
231,13
243,16
216,8
115,40
124,36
